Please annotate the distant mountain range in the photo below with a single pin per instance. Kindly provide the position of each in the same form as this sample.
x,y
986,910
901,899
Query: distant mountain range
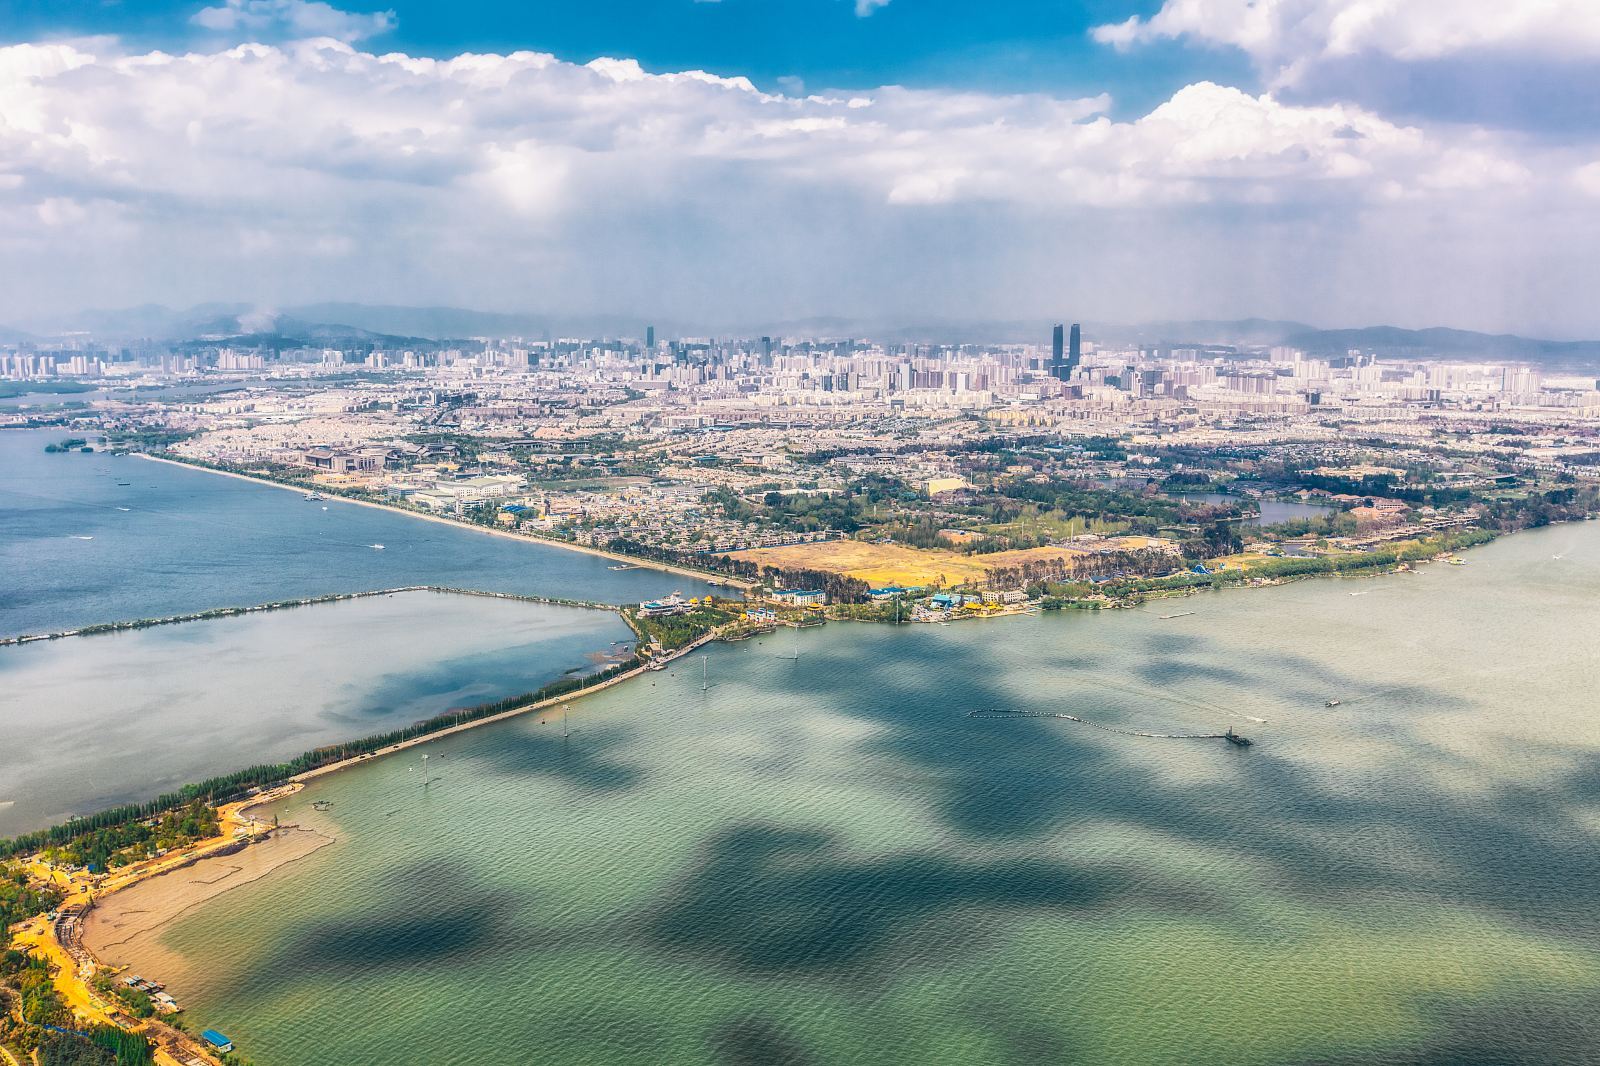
x,y
1459,343
393,326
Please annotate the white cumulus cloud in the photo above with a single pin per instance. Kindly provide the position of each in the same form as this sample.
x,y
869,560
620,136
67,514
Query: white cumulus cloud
x,y
1287,37
316,169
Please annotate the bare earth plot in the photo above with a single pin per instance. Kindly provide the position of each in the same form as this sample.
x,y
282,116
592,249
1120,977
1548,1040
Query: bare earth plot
x,y
894,564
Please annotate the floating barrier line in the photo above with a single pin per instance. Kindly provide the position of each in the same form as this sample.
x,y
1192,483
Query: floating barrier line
x,y
1095,725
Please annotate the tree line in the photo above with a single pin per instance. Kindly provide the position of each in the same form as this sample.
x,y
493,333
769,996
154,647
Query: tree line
x,y
227,787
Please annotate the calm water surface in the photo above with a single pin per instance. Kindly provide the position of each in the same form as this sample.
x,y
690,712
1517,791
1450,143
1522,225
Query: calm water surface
x,y
1271,511
826,861
77,547
91,722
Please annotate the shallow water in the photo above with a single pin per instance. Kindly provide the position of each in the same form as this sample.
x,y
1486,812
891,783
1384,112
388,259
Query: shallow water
x,y
90,722
826,861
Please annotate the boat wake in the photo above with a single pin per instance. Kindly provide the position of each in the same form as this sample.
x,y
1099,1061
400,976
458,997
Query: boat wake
x,y
1230,736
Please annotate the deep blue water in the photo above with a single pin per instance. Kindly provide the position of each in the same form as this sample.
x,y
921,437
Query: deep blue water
x,y
77,547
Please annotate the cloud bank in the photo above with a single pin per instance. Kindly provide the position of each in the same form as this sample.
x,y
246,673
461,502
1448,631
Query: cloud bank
x,y
312,168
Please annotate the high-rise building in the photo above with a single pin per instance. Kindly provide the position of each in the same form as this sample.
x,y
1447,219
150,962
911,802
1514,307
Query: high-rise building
x,y
649,338
1065,352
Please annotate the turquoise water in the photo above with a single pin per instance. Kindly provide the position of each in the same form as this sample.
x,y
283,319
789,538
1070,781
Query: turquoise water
x,y
90,722
826,861
77,547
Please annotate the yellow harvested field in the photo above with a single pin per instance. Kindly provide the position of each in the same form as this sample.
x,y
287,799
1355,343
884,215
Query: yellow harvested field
x,y
895,564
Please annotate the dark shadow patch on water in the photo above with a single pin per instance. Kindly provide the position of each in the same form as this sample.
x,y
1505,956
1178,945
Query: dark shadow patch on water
x,y
1554,1029
586,760
1323,839
775,900
757,1042
441,918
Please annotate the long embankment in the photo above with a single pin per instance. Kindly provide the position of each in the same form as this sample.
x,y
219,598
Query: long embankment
x,y
525,538
514,712
306,601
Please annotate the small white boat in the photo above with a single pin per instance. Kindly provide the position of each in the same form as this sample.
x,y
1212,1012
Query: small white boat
x,y
376,547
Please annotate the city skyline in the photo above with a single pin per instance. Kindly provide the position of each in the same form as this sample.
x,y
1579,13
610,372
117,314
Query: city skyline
x,y
1200,161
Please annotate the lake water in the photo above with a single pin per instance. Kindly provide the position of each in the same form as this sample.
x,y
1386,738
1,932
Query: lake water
x,y
77,547
140,395
826,861
91,722
1271,511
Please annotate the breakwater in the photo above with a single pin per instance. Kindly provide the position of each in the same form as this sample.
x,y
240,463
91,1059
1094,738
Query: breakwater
x,y
332,757
304,601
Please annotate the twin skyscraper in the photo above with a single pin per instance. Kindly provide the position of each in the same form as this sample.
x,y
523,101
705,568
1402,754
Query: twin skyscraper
x,y
1065,354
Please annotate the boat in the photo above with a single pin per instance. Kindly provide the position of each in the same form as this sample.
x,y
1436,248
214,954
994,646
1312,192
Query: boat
x,y
1235,739
1331,703
376,547
1168,617
656,666
315,497
623,566
1457,561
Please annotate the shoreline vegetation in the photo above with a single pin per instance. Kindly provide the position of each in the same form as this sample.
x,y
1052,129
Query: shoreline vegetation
x,y
71,969
329,758
229,787
67,968
525,538
232,795
305,601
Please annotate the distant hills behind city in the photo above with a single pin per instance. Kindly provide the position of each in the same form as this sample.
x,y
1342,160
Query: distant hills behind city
x,y
335,324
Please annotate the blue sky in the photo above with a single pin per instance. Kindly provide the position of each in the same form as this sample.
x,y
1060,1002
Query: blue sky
x,y
1340,162
997,45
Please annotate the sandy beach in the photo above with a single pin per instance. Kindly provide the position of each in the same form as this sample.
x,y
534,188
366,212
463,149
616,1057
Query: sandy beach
x,y
124,929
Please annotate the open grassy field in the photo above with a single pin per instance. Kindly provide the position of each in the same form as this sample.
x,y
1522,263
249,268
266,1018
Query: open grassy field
x,y
894,564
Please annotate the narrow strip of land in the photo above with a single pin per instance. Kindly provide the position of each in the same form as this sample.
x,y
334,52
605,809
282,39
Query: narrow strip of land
x,y
525,538
304,601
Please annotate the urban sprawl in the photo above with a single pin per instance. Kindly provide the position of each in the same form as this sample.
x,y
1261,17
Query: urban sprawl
x,y
845,477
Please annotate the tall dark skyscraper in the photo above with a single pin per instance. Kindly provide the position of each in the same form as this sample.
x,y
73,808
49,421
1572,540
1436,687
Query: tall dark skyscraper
x,y
649,338
1065,354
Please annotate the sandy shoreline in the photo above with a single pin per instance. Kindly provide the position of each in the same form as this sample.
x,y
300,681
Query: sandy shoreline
x,y
124,928
523,538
